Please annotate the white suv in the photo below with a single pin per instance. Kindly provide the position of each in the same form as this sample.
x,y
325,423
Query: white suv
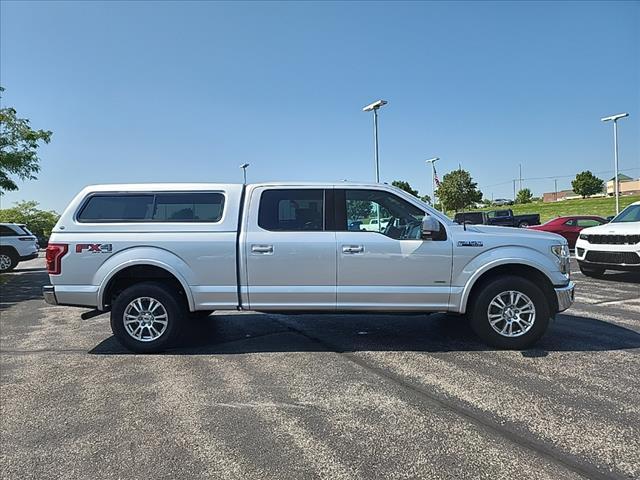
x,y
17,244
612,246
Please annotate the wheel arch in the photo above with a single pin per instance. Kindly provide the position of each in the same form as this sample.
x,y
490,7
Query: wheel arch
x,y
517,269
138,265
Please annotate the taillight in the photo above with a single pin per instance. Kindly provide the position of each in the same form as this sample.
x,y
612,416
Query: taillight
x,y
55,252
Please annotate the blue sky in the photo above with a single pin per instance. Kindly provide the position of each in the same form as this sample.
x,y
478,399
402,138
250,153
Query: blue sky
x,y
188,91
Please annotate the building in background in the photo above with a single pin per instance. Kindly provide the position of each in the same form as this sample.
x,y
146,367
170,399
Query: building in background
x,y
559,195
626,185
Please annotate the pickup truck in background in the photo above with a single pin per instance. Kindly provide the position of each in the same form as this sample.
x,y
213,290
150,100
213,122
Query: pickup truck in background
x,y
157,255
375,225
503,218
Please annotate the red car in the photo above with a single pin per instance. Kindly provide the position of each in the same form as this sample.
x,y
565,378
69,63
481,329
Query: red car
x,y
569,227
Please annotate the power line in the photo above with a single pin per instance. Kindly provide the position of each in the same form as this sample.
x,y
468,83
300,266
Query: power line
x,y
553,177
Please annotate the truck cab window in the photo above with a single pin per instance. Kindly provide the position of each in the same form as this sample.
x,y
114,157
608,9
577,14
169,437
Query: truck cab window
x,y
382,212
292,210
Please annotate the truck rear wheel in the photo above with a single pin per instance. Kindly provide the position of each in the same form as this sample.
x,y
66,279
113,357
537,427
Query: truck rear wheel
x,y
145,317
510,312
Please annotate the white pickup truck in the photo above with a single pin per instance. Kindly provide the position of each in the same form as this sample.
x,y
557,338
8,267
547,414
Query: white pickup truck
x,y
156,255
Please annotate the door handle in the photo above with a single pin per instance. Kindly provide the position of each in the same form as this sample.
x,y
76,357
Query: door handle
x,y
264,249
352,249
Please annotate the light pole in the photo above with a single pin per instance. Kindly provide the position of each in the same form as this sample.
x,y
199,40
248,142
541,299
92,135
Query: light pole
x,y
244,171
432,161
615,119
374,108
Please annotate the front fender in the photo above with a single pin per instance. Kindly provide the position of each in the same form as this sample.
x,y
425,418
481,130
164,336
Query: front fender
x,y
469,274
154,256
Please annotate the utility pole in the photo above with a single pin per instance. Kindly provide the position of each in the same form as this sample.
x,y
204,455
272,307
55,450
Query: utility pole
x,y
520,176
555,184
514,190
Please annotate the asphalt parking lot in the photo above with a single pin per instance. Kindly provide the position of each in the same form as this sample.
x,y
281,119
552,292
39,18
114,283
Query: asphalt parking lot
x,y
253,396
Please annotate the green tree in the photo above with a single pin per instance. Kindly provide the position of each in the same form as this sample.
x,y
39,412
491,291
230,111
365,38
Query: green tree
x,y
402,185
586,183
426,199
457,190
358,209
40,222
18,148
524,196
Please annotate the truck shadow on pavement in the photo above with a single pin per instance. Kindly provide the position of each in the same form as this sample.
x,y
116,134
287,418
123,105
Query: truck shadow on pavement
x,y
234,333
257,333
21,285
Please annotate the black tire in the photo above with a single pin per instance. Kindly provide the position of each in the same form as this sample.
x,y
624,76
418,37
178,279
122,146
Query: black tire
x,y
591,271
200,314
169,301
527,336
8,260
523,224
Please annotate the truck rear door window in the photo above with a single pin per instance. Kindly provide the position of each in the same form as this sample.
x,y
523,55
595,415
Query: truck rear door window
x,y
292,210
159,207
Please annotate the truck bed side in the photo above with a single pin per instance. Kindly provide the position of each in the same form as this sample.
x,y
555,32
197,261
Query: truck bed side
x,y
201,257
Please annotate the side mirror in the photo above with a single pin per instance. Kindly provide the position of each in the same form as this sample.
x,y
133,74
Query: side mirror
x,y
430,226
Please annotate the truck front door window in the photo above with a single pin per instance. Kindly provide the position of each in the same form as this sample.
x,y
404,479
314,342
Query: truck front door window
x,y
382,212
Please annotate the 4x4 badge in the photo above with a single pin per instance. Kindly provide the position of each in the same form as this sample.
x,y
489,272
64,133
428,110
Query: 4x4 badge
x,y
94,247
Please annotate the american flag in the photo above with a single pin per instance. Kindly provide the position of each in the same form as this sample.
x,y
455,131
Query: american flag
x,y
435,177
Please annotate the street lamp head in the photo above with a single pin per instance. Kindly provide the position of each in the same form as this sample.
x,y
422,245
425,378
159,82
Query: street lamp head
x,y
374,106
432,160
614,117
245,165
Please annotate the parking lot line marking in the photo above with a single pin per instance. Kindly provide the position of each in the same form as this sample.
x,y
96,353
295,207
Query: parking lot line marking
x,y
559,457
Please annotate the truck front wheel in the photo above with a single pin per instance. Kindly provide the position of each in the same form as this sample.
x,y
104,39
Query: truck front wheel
x,y
510,312
145,317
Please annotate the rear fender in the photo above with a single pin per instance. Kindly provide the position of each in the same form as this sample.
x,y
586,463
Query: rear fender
x,y
153,256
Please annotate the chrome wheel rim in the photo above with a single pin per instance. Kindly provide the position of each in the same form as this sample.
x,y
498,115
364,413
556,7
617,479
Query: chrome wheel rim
x,y
145,319
5,262
511,313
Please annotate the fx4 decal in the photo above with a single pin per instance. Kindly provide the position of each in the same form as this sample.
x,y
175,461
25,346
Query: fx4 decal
x,y
470,243
94,247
